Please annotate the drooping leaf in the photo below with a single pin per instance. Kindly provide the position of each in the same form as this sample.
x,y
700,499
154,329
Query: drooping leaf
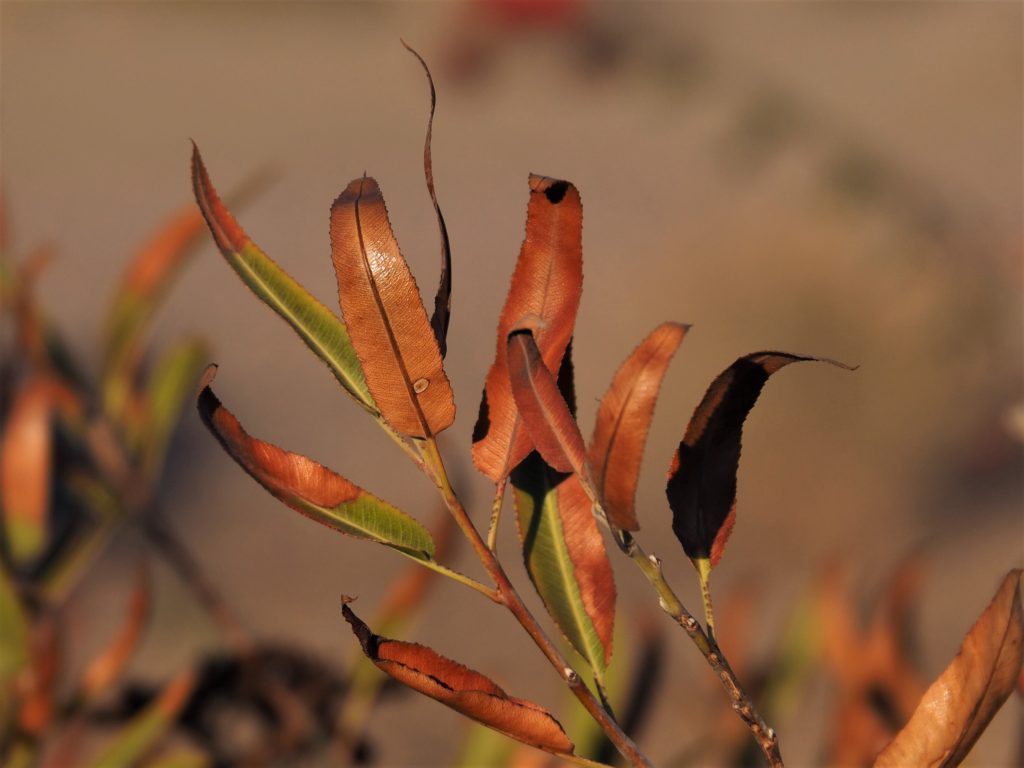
x,y
958,706
26,467
546,286
14,647
565,556
701,486
168,389
144,731
388,324
311,488
443,298
623,420
542,407
317,326
464,690
105,667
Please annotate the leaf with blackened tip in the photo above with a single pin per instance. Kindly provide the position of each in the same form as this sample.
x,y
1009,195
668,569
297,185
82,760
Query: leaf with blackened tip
x,y
314,490
386,319
461,688
624,419
542,408
701,486
320,329
443,298
547,283
958,706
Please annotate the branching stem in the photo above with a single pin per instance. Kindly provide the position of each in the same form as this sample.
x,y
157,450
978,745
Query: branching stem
x,y
510,598
650,566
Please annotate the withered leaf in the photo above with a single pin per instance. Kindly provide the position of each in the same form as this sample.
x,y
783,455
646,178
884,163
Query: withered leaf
x,y
623,420
311,488
385,315
701,486
542,407
958,706
464,690
443,298
546,285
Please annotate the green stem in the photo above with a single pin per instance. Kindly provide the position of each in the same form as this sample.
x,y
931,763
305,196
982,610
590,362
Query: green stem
x,y
650,566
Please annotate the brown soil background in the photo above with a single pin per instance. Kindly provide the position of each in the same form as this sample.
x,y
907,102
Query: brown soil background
x,y
835,179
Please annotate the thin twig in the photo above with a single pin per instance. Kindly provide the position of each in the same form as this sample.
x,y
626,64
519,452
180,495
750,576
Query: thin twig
x,y
650,565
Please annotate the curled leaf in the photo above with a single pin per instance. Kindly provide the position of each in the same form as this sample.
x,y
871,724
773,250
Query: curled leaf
x,y
542,407
388,324
464,690
443,298
317,326
623,420
958,706
311,488
546,286
701,486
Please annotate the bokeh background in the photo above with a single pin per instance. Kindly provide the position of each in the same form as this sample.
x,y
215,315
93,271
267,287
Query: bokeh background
x,y
838,179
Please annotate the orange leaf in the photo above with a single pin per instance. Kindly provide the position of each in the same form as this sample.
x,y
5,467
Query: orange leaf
x,y
623,420
105,668
546,285
958,706
701,486
542,408
464,690
385,315
26,466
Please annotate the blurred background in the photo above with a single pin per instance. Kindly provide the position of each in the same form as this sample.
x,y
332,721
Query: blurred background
x,y
835,179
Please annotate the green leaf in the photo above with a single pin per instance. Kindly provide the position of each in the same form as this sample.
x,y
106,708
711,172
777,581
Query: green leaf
x,y
14,650
147,728
311,488
317,326
565,557
169,388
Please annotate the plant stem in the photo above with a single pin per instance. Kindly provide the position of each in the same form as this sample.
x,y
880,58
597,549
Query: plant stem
x,y
626,747
650,565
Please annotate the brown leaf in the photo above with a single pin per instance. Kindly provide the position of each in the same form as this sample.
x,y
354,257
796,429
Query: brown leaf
x,y
623,420
464,690
546,285
701,486
958,706
385,315
544,412
443,298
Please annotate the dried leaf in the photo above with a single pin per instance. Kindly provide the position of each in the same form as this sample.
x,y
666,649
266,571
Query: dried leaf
x,y
701,486
546,286
958,706
623,420
146,729
388,324
311,488
464,690
317,326
105,668
565,557
542,408
443,298
26,467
